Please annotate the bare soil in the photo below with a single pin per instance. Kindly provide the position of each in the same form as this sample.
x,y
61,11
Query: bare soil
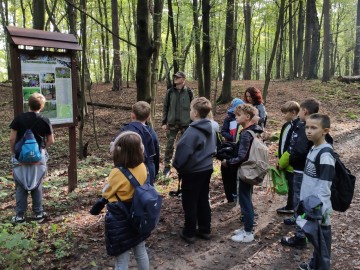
x,y
166,250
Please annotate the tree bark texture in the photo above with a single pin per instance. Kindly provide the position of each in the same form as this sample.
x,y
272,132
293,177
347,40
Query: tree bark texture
x,y
198,61
144,51
39,14
307,43
229,45
206,47
173,36
315,42
327,41
117,82
356,69
247,16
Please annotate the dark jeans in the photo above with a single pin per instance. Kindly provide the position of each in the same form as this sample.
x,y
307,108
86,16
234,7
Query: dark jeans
x,y
228,175
290,199
297,181
322,254
151,168
22,198
195,202
246,206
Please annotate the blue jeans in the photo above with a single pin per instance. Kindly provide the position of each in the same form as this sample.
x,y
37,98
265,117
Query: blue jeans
x,y
297,181
21,200
246,206
141,257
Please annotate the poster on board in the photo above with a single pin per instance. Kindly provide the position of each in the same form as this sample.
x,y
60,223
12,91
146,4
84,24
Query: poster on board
x,y
49,75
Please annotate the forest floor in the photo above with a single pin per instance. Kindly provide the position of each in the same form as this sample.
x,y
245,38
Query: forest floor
x,y
73,239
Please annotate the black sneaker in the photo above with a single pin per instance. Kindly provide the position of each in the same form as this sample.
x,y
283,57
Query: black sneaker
x,y
202,235
189,240
290,221
284,210
166,171
294,242
40,217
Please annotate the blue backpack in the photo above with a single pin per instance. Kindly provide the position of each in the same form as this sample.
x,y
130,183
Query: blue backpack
x,y
27,148
144,213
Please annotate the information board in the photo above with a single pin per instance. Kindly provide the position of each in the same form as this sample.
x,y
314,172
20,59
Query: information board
x,y
49,75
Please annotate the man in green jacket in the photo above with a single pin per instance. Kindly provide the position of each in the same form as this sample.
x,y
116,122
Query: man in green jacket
x,y
176,114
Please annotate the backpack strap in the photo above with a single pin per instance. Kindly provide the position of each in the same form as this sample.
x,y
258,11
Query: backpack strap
x,y
132,179
318,156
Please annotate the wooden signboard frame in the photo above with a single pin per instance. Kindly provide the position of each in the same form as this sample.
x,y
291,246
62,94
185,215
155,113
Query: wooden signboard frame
x,y
47,45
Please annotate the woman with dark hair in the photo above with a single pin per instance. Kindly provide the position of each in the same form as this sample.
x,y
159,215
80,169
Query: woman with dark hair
x,y
253,96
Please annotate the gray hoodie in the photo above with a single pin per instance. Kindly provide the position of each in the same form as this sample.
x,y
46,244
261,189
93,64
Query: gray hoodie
x,y
196,148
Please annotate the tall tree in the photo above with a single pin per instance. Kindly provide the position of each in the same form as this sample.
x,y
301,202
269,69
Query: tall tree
x,y
247,16
327,41
279,25
206,47
144,51
307,43
173,36
315,42
298,63
356,68
5,21
198,61
117,82
229,46
158,7
39,14
291,19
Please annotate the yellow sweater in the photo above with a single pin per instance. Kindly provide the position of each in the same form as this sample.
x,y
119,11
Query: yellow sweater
x,y
118,183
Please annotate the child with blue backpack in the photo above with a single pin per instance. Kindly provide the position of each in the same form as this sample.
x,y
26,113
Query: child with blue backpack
x,y
28,177
120,237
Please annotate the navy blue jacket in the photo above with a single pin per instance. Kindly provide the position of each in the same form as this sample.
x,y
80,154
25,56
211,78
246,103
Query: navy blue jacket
x,y
119,235
244,145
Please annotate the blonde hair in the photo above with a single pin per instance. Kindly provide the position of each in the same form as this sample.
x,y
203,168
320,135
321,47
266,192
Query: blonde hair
x,y
202,105
36,102
248,109
290,106
141,110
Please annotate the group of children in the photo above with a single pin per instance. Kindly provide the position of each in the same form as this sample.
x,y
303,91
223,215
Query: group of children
x,y
304,134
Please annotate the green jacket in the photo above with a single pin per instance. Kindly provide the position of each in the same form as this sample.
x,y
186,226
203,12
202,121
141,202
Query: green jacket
x,y
170,100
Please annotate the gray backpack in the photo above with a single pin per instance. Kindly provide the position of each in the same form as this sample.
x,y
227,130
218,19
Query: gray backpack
x,y
254,170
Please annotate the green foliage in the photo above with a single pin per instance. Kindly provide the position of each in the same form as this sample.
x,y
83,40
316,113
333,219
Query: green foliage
x,y
14,247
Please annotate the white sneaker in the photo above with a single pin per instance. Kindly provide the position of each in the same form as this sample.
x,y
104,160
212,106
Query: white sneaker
x,y
248,238
239,231
244,237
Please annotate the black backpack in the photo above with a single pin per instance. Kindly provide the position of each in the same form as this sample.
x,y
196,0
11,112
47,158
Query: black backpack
x,y
343,183
227,150
144,213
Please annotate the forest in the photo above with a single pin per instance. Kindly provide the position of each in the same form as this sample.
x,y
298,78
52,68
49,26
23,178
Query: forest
x,y
290,49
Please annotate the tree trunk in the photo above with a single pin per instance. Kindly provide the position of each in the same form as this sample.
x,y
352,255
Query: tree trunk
x,y
102,36
173,36
117,82
300,41
229,45
39,14
158,7
247,16
5,22
279,25
234,54
315,42
144,51
349,79
279,54
198,61
291,19
206,47
356,69
107,42
327,41
307,45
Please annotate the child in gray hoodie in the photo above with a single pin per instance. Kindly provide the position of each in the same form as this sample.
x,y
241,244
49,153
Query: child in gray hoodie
x,y
194,162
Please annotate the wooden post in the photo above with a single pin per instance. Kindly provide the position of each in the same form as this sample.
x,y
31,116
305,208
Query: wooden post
x,y
72,172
